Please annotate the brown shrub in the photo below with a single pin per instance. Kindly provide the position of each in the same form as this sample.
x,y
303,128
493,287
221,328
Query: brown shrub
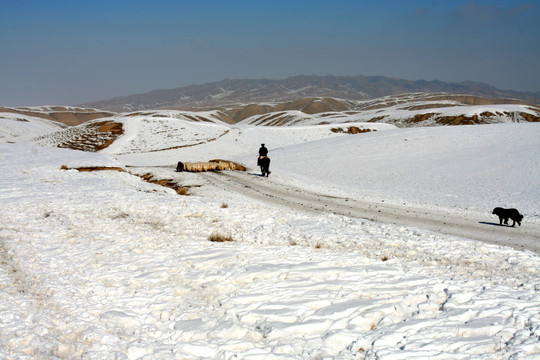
x,y
180,190
92,168
216,237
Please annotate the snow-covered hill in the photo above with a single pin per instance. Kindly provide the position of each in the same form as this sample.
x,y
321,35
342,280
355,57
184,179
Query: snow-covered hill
x,y
408,110
193,132
18,127
68,115
101,265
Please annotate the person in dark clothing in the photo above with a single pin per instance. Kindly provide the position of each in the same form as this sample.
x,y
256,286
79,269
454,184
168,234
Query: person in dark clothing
x,y
263,160
263,151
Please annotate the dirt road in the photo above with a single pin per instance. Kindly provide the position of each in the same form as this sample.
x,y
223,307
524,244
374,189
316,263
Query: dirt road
x,y
484,229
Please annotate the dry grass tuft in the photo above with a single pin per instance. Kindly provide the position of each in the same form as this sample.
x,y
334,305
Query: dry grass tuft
x,y
224,205
92,168
146,177
216,237
99,168
180,190
318,246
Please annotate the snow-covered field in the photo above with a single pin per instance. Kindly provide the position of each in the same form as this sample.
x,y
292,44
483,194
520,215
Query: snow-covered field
x,y
102,265
23,127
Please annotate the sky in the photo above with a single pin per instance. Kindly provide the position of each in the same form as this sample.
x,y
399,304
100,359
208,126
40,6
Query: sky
x,y
60,52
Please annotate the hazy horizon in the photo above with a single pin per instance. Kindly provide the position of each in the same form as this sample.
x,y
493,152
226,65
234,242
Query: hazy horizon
x,y
66,53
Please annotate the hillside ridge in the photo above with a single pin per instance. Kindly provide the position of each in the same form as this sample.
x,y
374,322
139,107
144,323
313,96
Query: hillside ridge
x,y
235,92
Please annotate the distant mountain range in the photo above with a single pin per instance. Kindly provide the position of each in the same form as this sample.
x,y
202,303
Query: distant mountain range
x,y
405,110
228,94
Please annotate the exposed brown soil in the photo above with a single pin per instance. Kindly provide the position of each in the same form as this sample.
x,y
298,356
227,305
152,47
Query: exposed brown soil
x,y
146,177
458,120
95,168
530,117
67,116
276,115
423,117
447,120
197,118
275,119
377,119
94,136
477,100
108,126
351,130
220,115
481,118
239,114
461,99
180,190
428,106
333,114
306,105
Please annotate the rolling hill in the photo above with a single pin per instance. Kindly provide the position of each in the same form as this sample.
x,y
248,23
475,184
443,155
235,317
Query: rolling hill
x,y
240,92
168,131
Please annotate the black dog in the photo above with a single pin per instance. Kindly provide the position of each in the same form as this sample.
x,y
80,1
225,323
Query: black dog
x,y
180,167
505,214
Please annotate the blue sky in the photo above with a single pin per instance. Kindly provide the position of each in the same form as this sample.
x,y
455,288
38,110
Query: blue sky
x,y
72,52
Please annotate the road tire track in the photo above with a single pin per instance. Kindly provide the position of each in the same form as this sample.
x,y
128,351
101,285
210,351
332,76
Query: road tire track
x,y
481,229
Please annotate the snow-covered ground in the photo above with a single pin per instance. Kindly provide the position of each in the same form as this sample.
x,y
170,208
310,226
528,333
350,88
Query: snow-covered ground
x,y
473,168
101,265
19,127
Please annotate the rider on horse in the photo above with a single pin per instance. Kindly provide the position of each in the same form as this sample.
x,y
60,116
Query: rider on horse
x,y
264,161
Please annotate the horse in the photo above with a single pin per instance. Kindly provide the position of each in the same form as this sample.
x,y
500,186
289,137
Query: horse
x,y
264,163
